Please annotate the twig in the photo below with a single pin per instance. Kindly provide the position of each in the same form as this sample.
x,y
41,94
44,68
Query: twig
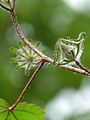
x,y
77,70
13,5
47,59
26,87
25,39
82,67
5,8
44,57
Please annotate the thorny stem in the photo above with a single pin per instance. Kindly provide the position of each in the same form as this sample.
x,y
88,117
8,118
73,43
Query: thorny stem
x,y
27,86
44,57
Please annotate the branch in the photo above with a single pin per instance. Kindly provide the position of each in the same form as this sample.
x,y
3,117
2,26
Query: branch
x,y
44,57
77,70
13,5
25,39
5,8
26,87
82,67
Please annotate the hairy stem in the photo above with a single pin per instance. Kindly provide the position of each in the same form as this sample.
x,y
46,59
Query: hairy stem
x,y
25,39
4,7
81,66
13,5
27,86
47,59
44,57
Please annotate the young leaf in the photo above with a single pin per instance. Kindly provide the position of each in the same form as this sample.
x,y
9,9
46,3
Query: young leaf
x,y
13,60
23,111
26,71
20,44
30,40
13,50
21,65
18,66
43,51
37,44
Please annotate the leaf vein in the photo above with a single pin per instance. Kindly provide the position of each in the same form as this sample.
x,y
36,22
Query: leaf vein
x,y
26,111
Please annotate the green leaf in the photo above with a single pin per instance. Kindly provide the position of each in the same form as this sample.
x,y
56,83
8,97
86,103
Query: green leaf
x,y
30,40
26,72
37,44
13,50
17,60
18,66
43,51
23,111
20,44
13,60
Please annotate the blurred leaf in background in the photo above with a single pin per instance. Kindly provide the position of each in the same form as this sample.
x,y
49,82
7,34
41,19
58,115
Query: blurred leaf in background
x,y
45,21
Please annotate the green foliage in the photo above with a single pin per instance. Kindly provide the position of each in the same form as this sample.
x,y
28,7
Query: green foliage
x,y
14,50
23,111
43,51
37,44
69,50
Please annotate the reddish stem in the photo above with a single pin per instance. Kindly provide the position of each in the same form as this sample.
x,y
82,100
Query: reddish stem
x,y
26,87
44,57
81,66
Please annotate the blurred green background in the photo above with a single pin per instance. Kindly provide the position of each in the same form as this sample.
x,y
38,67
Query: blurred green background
x,y
45,21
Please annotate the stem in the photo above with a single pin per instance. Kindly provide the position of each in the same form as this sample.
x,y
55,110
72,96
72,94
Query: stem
x,y
25,39
13,5
44,57
4,7
27,86
81,66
